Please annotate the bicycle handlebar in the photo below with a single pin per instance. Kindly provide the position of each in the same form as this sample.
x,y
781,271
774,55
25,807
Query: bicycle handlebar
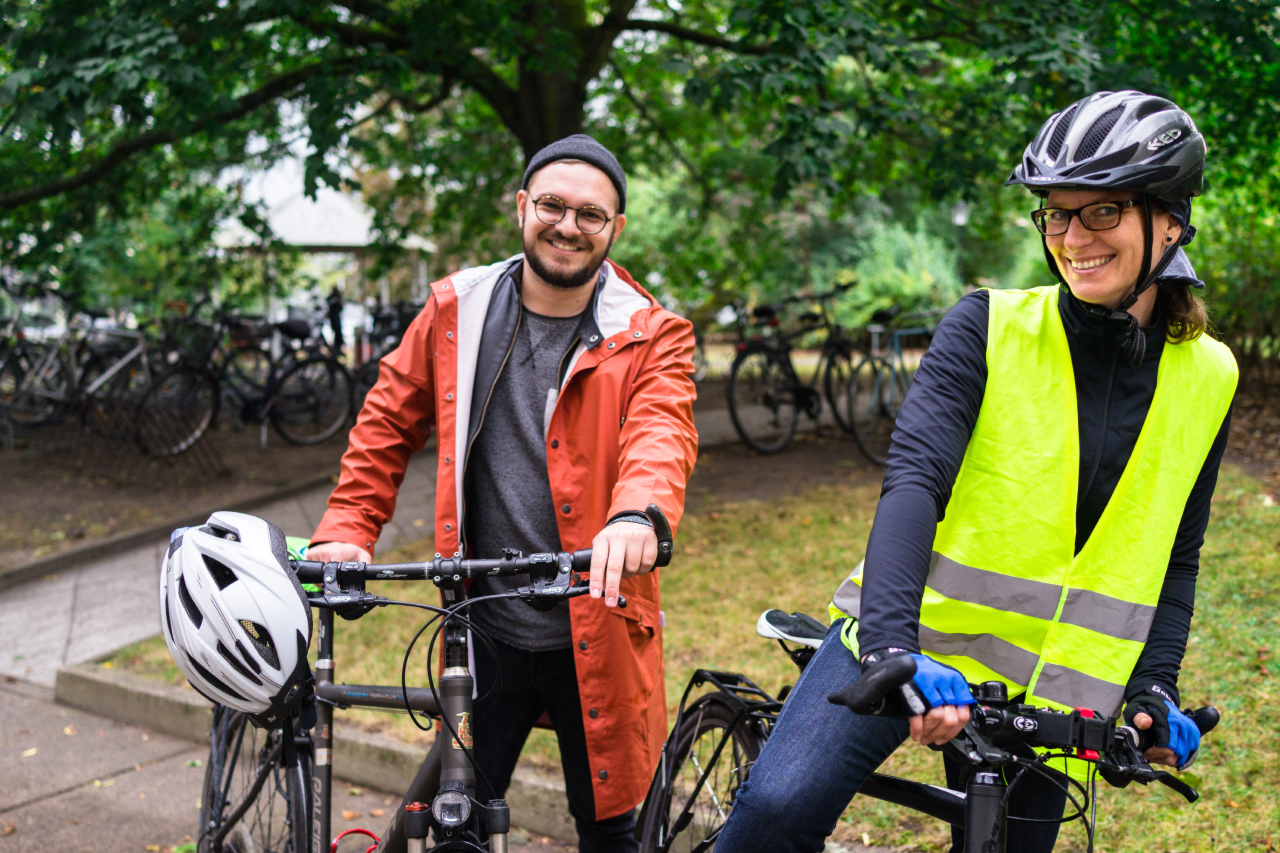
x,y
997,726
555,576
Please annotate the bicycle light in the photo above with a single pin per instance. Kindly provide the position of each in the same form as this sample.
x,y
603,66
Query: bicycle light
x,y
452,806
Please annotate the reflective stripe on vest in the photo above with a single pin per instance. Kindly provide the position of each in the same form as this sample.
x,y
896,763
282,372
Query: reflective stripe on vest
x,y
1006,597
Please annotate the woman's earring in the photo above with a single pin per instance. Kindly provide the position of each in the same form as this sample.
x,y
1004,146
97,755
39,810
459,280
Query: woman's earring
x,y
1168,239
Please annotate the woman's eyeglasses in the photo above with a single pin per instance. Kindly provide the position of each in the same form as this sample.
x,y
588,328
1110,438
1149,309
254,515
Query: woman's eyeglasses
x,y
1099,216
590,219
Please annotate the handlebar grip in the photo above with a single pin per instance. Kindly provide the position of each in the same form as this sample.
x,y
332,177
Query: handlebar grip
x,y
582,560
1205,718
867,693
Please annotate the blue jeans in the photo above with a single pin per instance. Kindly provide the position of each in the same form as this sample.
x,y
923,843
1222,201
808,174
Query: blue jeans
x,y
819,755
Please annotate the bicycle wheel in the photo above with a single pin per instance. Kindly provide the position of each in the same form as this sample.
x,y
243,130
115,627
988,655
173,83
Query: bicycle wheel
x,y
836,382
312,401
31,402
762,400
250,802
110,411
697,780
366,377
176,411
873,400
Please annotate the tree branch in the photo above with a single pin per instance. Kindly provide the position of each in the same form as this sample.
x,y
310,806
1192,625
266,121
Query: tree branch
x,y
407,101
354,36
707,39
122,151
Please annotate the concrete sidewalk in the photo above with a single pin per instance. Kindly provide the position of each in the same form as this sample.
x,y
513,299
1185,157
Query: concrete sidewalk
x,y
78,783
91,610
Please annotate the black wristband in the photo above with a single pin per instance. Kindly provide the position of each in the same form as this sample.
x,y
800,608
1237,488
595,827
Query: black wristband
x,y
633,516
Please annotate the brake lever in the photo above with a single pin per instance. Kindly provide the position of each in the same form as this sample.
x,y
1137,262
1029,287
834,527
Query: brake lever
x,y
1189,793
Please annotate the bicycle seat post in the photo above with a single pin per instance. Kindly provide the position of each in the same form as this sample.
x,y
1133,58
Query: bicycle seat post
x,y
984,816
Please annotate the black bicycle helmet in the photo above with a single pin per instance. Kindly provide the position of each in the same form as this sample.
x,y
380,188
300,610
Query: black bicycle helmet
x,y
1126,141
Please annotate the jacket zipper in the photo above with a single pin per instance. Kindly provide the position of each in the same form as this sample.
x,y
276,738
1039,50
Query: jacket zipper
x,y
462,500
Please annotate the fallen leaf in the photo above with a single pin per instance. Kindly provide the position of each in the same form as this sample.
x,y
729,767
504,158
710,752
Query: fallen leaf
x,y
419,522
109,665
866,839
27,753
356,792
1233,805
376,812
7,828
137,768
153,846
348,814
146,737
195,762
101,733
141,795
69,731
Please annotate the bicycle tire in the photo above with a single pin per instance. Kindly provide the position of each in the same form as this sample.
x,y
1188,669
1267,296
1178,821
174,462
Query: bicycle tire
x,y
312,401
249,797
874,398
176,411
674,818
111,410
762,400
835,383
29,409
366,376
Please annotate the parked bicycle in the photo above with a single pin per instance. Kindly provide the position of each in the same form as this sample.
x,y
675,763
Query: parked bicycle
x,y
717,737
254,800
878,385
305,394
389,324
766,394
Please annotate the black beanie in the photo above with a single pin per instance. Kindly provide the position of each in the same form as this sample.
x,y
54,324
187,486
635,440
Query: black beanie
x,y
584,148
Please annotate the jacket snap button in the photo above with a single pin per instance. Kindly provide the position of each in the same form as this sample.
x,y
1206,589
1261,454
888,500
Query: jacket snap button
x,y
555,442
565,509
638,334
612,344
582,644
593,713
448,396
448,527
446,460
448,334
604,774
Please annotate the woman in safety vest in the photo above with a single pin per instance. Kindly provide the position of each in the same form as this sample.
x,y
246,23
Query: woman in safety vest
x,y
1046,493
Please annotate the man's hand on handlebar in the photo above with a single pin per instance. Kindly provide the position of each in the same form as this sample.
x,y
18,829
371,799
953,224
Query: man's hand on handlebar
x,y
338,552
939,725
622,550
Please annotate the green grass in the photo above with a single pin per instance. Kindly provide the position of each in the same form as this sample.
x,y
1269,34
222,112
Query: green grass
x,y
736,562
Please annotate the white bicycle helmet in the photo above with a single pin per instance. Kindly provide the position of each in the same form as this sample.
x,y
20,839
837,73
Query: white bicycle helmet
x,y
235,617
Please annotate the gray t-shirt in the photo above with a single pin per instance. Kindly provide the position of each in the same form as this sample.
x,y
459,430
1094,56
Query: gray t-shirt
x,y
507,489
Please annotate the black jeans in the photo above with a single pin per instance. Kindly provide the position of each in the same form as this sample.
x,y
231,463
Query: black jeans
x,y
534,682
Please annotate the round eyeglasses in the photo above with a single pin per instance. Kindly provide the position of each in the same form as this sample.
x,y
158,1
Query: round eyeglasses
x,y
589,218
1099,216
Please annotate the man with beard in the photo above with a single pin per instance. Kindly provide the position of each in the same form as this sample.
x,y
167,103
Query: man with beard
x,y
561,395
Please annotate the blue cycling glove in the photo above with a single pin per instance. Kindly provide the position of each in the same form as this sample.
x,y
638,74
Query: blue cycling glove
x,y
939,684
1169,726
934,685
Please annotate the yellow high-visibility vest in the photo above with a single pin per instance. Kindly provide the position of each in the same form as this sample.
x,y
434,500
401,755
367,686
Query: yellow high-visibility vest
x,y
1007,598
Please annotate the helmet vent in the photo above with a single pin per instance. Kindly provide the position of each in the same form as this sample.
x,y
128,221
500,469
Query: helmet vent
x,y
168,620
1098,133
1060,132
188,604
213,679
261,642
220,572
237,665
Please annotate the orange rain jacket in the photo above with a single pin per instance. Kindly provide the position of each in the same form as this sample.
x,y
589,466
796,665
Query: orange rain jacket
x,y
620,437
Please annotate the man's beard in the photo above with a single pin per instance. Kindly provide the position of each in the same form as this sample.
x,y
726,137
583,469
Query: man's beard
x,y
570,279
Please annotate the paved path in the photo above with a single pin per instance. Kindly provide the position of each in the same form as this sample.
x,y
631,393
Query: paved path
x,y
76,783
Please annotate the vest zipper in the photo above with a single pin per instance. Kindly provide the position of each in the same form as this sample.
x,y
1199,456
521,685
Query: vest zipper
x,y
1102,437
466,457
